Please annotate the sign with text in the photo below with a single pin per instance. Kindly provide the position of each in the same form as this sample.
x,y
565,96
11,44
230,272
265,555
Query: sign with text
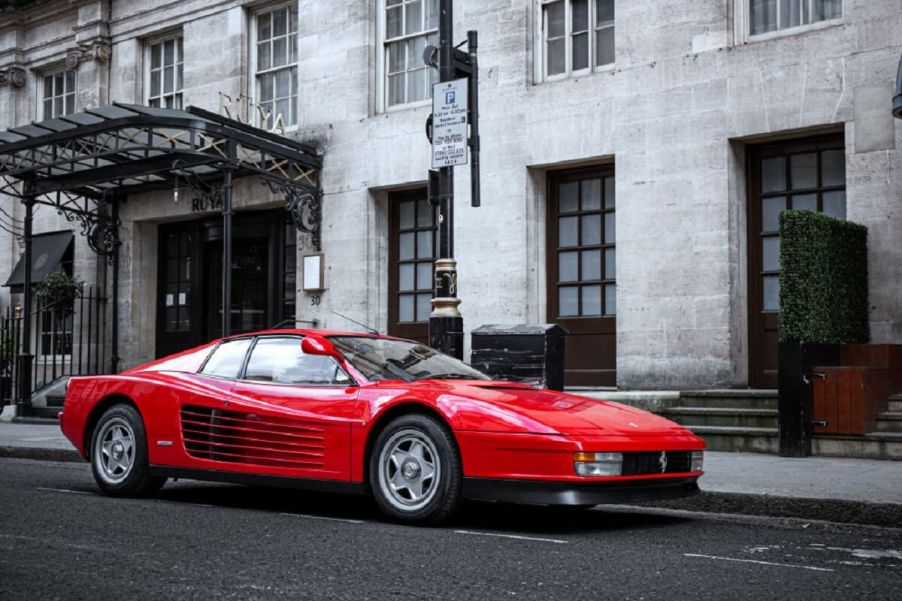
x,y
449,123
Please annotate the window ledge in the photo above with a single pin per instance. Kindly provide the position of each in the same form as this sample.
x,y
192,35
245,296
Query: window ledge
x,y
400,108
793,31
577,75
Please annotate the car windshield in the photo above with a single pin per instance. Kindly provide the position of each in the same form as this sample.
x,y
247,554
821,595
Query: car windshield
x,y
384,359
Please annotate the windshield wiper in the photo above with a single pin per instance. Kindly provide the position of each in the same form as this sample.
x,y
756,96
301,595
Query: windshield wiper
x,y
446,377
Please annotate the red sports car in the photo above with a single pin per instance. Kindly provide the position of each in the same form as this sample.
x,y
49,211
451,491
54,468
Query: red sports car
x,y
340,411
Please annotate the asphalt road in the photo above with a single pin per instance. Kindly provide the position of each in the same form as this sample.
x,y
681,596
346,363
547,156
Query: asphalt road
x,y
60,539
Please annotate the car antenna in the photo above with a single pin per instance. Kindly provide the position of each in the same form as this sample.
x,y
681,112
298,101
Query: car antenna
x,y
362,325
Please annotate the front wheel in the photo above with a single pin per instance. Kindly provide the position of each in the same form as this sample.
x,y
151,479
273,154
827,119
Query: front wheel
x,y
415,470
119,454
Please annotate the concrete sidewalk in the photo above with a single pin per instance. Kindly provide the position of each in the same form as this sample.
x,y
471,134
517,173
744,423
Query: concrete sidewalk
x,y
733,482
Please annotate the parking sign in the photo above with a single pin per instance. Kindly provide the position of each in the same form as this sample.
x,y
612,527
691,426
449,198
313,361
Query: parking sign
x,y
449,123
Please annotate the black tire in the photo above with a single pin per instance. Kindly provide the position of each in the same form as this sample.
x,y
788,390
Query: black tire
x,y
445,489
134,480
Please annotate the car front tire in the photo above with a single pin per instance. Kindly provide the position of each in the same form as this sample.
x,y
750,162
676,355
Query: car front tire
x,y
415,470
119,454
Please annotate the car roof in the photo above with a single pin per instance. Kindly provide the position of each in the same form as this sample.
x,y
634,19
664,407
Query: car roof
x,y
310,331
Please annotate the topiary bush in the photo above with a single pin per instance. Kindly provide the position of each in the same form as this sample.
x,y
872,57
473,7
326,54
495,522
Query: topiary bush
x,y
823,279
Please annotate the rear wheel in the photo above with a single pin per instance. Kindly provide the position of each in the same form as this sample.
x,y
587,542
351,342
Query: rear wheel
x,y
415,470
119,454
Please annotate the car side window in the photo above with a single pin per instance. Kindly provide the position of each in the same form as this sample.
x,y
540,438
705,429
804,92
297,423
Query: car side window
x,y
281,361
227,359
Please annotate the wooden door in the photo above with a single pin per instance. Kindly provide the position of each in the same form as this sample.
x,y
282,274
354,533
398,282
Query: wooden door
x,y
807,174
582,272
411,257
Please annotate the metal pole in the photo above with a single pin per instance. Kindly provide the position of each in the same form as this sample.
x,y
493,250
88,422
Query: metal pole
x,y
226,250
114,343
474,119
445,322
24,404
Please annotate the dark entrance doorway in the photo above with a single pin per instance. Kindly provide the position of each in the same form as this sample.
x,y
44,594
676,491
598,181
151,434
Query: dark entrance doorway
x,y
582,289
797,174
190,278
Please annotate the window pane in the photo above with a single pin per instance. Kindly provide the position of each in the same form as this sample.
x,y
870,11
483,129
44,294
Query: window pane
x,y
556,58
281,360
827,9
579,15
424,245
591,300
569,301
283,107
604,46
431,8
58,88
555,15
70,104
393,22
227,359
424,306
168,52
591,229
568,267
416,85
155,52
405,211
264,56
610,196
70,81
770,254
764,16
405,276
833,168
770,213
264,26
803,171
283,84
773,174
835,204
415,48
280,22
396,57
405,307
424,213
168,79
604,11
569,198
396,89
791,13
771,292
567,232
580,51
591,264
609,224
610,263
267,81
805,202
405,246
414,18
292,49
57,106
279,52
424,276
591,194
610,299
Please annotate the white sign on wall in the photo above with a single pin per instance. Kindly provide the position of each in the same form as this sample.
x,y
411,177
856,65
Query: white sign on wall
x,y
449,123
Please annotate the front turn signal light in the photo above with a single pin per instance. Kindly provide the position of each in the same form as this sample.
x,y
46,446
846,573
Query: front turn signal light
x,y
598,464
698,461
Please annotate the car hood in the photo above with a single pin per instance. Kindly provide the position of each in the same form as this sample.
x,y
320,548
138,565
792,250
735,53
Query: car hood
x,y
497,406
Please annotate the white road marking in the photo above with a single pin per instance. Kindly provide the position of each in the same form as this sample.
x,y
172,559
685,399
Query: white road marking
x,y
322,517
513,536
765,563
66,490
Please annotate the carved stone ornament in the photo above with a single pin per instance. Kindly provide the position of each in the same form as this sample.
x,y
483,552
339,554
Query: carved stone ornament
x,y
13,76
73,57
102,50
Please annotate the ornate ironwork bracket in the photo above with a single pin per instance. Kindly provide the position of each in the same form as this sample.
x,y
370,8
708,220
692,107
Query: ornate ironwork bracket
x,y
100,230
305,206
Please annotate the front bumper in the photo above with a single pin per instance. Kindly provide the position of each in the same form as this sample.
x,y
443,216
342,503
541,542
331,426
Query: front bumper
x,y
544,492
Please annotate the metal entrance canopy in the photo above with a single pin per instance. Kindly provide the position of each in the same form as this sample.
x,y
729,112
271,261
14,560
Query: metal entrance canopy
x,y
85,163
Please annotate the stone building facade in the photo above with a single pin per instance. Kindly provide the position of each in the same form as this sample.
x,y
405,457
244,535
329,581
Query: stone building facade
x,y
634,156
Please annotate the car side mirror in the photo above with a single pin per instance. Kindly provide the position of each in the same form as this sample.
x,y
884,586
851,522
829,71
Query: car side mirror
x,y
312,345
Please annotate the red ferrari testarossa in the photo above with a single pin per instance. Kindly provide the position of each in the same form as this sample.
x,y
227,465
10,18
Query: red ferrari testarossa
x,y
340,411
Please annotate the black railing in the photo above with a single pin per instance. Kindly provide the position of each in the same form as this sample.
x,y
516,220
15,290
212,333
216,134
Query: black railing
x,y
65,341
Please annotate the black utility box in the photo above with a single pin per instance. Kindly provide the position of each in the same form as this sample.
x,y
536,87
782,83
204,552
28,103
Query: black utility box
x,y
532,354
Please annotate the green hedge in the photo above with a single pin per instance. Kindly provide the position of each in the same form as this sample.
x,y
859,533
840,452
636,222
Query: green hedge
x,y
823,279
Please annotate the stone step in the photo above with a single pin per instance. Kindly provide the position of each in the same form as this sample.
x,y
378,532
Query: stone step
x,y
876,445
735,399
745,440
894,404
889,421
722,416
56,400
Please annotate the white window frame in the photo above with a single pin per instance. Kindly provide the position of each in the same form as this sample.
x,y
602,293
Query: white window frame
x,y
743,24
382,42
41,111
252,66
148,65
540,71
